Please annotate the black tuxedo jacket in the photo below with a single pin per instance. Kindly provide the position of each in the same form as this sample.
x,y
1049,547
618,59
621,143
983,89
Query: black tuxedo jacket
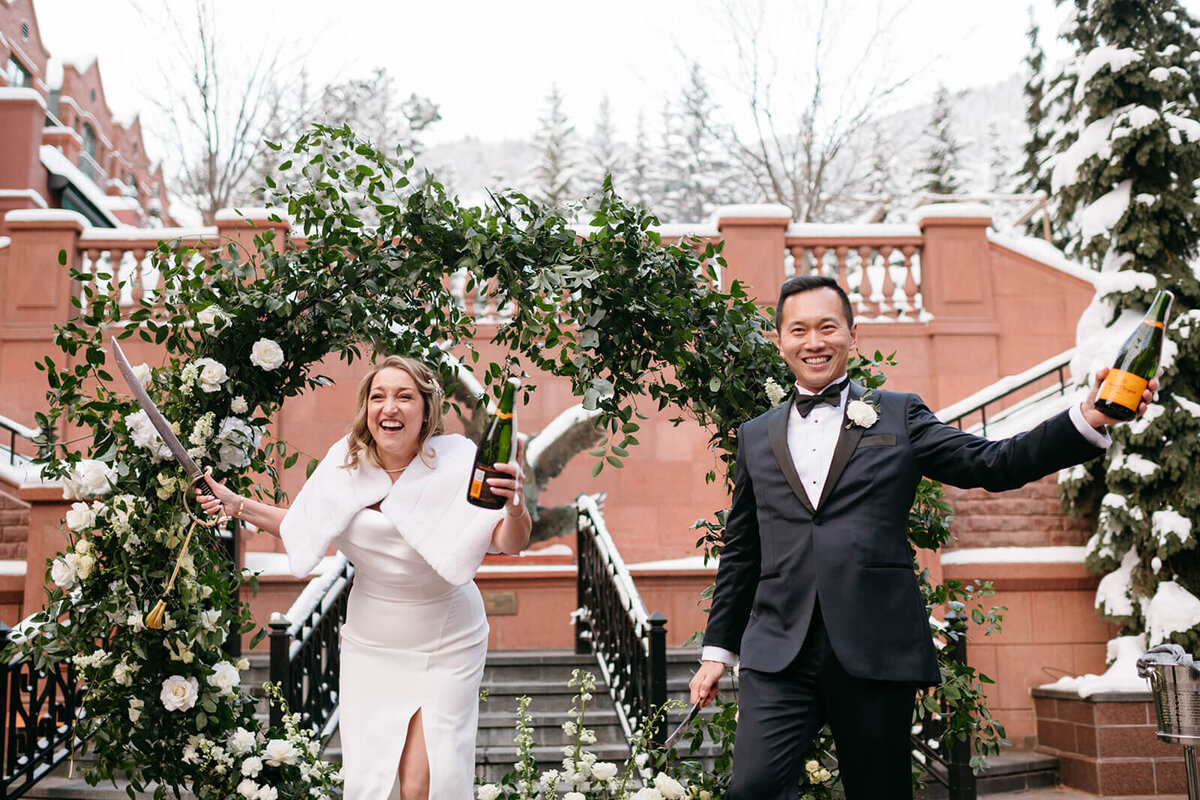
x,y
851,552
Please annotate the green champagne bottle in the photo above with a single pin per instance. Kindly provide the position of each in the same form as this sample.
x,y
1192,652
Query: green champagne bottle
x,y
497,446
1137,362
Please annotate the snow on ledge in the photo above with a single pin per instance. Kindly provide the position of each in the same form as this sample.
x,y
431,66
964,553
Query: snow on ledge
x,y
1016,555
21,93
1121,677
852,230
959,210
1042,251
676,564
32,195
752,211
684,230
155,235
4,242
12,566
46,215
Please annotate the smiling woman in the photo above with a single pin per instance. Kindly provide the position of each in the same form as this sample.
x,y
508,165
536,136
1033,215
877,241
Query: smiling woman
x,y
415,619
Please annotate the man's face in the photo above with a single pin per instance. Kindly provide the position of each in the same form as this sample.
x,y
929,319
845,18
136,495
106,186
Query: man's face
x,y
814,337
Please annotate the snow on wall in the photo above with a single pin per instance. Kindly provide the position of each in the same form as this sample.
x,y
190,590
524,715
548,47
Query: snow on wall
x,y
1123,653
1112,595
1172,609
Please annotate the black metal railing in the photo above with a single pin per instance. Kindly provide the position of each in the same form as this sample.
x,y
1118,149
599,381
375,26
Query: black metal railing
x,y
304,650
38,711
947,762
630,645
964,411
14,430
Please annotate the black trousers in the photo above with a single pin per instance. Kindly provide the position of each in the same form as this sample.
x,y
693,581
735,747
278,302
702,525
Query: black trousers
x,y
779,714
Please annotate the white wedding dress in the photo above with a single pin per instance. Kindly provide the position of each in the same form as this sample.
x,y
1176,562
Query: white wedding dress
x,y
411,641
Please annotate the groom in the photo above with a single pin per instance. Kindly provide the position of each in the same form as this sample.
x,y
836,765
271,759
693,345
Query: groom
x,y
816,591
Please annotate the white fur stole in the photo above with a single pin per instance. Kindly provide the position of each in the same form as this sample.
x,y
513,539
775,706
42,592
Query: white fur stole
x,y
427,505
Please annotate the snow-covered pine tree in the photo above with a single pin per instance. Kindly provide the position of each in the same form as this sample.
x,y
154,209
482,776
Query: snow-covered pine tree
x,y
940,172
1033,177
667,181
705,169
638,184
1129,181
605,154
555,172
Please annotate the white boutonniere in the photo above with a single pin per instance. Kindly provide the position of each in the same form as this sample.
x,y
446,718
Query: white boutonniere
x,y
775,392
862,413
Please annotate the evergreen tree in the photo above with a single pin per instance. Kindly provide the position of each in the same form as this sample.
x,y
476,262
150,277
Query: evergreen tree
x,y
940,172
555,173
605,156
638,186
999,176
668,189
1127,176
704,170
1033,177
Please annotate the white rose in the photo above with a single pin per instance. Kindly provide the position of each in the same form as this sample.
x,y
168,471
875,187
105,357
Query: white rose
x,y
212,317
143,374
239,405
80,517
62,572
252,766
179,693
90,479
236,441
279,751
266,793
242,741
225,677
649,793
604,770
209,619
247,789
489,791
862,414
212,374
135,709
668,787
265,353
82,564
574,796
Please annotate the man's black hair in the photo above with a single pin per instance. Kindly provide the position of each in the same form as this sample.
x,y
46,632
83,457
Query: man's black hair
x,y
806,283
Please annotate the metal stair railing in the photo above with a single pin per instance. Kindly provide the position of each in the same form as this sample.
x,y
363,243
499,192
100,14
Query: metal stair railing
x,y
38,712
305,659
1004,388
611,622
16,430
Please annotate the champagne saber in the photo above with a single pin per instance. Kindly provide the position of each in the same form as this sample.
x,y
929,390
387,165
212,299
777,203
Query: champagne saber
x,y
688,719
158,420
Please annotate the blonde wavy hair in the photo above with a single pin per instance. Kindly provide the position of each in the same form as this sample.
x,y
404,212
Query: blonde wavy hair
x,y
432,422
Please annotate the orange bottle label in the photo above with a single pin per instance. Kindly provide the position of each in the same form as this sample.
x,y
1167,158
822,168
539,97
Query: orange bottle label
x,y
477,483
1122,388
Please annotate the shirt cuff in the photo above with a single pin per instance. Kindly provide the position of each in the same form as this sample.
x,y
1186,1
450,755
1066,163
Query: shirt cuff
x,y
1099,438
714,653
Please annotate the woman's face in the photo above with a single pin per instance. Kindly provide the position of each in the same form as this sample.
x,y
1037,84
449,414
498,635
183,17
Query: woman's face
x,y
395,411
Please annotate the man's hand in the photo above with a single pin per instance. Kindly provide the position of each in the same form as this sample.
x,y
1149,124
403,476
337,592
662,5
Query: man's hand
x,y
1098,419
704,682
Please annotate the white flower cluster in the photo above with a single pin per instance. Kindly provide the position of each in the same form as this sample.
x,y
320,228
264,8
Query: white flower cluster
x,y
90,478
73,566
817,774
775,392
212,317
236,441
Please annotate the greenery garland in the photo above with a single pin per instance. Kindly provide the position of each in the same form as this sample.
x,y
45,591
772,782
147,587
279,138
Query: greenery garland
x,y
625,317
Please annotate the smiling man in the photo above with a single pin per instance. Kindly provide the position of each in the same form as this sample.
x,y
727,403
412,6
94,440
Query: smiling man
x,y
816,591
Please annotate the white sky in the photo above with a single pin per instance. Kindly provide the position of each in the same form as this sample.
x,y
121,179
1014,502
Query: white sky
x,y
489,63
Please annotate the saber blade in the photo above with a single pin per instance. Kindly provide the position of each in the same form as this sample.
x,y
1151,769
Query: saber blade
x,y
688,719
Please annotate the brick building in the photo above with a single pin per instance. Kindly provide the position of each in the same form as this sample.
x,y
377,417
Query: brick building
x,y
63,147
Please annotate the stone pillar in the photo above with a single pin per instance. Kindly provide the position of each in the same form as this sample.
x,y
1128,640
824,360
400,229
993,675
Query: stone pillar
x,y
47,536
754,248
957,291
35,295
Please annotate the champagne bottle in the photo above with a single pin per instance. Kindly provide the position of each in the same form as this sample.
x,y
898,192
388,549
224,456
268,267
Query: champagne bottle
x,y
498,445
1137,362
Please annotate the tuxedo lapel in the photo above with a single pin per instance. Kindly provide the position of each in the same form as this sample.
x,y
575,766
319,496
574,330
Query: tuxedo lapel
x,y
777,431
847,441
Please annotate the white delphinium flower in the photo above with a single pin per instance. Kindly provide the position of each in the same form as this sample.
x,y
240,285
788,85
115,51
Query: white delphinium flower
x,y
775,392
279,751
90,478
190,754
242,741
135,709
209,618
266,354
252,766
211,375
187,380
136,621
202,431
212,317
236,441
123,673
179,693
91,660
225,677
238,405
81,516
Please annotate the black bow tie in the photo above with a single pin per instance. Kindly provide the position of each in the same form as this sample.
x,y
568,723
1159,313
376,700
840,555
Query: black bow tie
x,y
830,394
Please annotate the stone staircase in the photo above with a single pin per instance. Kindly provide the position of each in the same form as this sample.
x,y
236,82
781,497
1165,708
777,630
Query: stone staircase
x,y
543,676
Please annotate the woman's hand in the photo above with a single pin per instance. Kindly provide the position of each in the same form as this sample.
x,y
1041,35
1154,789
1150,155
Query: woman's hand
x,y
510,488
223,500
